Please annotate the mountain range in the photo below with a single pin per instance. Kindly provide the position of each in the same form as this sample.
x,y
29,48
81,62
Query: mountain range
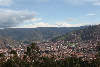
x,y
35,34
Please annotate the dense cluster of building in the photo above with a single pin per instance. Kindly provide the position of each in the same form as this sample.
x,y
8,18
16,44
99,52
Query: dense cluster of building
x,y
59,50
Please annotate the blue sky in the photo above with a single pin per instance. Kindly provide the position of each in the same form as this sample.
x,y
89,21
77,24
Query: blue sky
x,y
48,13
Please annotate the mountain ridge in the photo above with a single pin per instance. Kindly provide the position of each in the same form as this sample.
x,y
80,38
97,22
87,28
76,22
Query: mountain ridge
x,y
35,34
90,33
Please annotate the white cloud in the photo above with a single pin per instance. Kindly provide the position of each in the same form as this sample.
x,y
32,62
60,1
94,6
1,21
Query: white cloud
x,y
44,24
39,24
57,24
12,18
65,24
6,2
33,20
91,14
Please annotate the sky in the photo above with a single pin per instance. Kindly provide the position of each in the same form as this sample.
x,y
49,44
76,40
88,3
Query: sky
x,y
48,13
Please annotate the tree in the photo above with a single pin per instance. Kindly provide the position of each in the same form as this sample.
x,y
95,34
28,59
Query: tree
x,y
13,52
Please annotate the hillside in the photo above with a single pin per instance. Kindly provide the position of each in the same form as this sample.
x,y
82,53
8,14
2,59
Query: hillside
x,y
89,33
35,34
8,42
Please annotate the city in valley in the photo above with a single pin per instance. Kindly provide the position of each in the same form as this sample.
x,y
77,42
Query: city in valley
x,y
81,45
49,33
59,50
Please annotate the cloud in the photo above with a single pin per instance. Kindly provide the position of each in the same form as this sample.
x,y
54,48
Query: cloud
x,y
91,14
81,2
39,24
6,2
96,3
13,18
57,24
33,20
44,24
65,24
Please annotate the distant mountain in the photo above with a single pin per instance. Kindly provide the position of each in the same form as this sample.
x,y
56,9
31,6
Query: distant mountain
x,y
91,33
36,34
